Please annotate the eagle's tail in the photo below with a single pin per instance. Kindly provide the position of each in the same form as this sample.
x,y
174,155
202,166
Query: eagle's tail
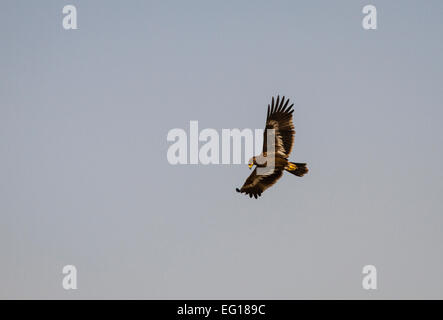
x,y
299,169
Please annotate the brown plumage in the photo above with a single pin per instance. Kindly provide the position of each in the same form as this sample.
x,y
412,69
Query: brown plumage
x,y
280,127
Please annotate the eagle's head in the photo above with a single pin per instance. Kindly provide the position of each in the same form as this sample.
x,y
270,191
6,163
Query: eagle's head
x,y
252,162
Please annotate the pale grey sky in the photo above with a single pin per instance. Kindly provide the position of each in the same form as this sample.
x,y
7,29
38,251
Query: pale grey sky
x,y
84,178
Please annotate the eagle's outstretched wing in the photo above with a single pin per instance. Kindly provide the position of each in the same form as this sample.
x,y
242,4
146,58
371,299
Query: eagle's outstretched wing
x,y
279,118
256,184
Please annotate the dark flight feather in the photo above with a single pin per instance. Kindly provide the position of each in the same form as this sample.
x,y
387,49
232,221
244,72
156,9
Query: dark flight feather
x,y
279,118
255,184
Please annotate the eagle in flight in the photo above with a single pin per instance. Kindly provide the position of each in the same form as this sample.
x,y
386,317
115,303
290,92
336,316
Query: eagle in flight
x,y
280,130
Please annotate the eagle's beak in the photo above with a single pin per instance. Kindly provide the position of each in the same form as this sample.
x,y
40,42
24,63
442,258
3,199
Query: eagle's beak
x,y
250,165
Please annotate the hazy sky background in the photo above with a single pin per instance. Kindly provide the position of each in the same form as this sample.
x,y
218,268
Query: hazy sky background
x,y
84,178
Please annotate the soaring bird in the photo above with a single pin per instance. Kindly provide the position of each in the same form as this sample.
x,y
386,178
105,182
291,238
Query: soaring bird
x,y
280,128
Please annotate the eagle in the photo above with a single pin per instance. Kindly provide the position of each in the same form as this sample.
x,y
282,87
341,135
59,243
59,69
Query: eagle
x,y
280,128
